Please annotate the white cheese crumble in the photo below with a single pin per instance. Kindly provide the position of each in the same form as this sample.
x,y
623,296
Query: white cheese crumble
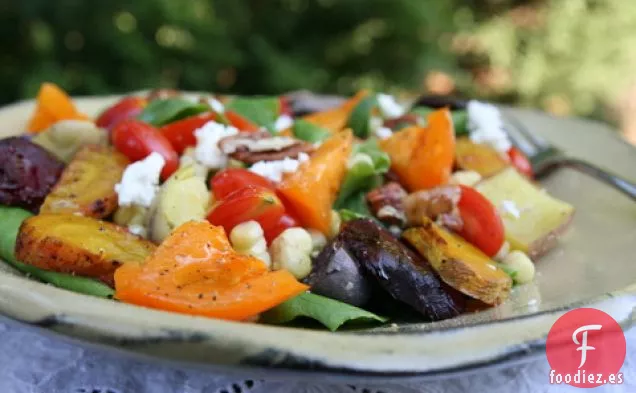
x,y
486,126
383,132
510,207
207,151
283,122
389,107
274,170
216,105
276,143
140,181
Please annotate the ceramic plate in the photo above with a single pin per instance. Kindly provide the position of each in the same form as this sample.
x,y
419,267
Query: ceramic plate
x,y
594,265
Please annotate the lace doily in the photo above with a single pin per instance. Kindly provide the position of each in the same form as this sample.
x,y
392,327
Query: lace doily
x,y
33,363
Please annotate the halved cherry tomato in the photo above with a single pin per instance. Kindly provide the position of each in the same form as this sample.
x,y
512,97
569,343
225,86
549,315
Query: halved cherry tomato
x,y
285,107
136,140
249,203
520,162
240,122
181,133
227,181
483,226
126,108
286,221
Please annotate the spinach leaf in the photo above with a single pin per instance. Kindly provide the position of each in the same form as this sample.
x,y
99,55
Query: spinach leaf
x,y
356,203
348,215
331,313
460,118
261,110
309,132
366,165
160,112
10,220
361,115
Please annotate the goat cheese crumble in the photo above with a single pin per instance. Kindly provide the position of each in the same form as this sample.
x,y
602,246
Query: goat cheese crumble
x,y
283,122
140,182
486,126
207,151
389,108
383,132
216,105
274,170
510,208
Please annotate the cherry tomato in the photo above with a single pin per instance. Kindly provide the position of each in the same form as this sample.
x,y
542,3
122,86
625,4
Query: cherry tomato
x,y
286,221
285,107
136,140
482,224
249,203
181,133
126,108
240,122
225,182
520,162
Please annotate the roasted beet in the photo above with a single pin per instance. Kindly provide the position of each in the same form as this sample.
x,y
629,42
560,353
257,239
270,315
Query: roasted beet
x,y
337,275
27,173
399,271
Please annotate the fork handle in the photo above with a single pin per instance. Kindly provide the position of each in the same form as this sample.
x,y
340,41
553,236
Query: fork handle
x,y
626,187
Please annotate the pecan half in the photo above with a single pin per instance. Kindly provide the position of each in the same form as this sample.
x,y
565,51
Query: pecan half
x,y
407,120
253,147
162,94
439,204
386,204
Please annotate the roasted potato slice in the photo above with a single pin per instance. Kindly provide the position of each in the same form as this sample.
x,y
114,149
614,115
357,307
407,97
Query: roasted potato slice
x,y
87,185
478,157
541,217
79,245
460,264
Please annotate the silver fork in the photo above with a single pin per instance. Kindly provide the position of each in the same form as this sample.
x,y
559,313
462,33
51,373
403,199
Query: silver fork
x,y
546,158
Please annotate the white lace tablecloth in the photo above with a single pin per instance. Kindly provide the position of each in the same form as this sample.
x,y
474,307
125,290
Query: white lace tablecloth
x,y
33,363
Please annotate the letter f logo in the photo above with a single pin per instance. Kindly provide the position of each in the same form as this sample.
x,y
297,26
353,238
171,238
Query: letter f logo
x,y
583,344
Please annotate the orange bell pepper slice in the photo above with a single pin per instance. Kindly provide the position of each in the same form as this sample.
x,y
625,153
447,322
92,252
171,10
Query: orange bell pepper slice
x,y
311,191
422,157
333,120
52,105
196,271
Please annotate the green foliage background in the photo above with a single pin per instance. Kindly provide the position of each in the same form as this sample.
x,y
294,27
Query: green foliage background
x,y
567,56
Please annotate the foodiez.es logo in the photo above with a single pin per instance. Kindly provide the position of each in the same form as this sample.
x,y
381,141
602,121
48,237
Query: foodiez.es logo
x,y
586,348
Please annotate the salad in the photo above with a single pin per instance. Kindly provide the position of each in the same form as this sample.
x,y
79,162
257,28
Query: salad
x,y
247,209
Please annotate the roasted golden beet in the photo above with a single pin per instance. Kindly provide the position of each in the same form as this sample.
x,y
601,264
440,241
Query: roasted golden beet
x,y
79,245
87,185
460,264
478,157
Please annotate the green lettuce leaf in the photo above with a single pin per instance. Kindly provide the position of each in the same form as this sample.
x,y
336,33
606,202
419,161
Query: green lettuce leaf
x,y
366,165
161,112
460,118
309,132
361,116
261,110
331,313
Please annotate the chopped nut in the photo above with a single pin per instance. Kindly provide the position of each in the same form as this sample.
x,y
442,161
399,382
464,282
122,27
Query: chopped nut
x,y
407,120
386,204
262,146
162,94
438,204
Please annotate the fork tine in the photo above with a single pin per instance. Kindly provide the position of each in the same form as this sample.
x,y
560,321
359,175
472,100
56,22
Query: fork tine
x,y
518,138
536,140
